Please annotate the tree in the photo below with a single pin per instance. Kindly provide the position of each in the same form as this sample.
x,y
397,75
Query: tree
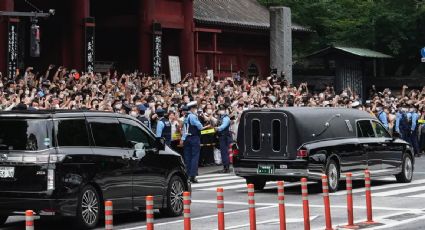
x,y
395,27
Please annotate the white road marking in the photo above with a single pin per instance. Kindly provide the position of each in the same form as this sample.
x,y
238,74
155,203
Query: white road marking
x,y
218,178
213,175
197,218
230,187
418,196
300,205
217,183
380,187
399,191
288,221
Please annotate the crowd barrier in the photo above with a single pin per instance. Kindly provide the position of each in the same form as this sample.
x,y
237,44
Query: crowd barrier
x,y
29,214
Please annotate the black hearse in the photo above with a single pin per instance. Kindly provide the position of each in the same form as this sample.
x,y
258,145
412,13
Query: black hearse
x,y
68,163
291,143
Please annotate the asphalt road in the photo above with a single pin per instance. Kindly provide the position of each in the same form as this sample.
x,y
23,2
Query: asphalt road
x,y
395,206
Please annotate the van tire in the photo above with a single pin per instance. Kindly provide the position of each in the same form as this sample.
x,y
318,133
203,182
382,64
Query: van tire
x,y
333,174
174,197
3,220
258,183
89,196
406,174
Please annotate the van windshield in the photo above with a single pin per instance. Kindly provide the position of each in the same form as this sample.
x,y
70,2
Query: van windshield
x,y
24,135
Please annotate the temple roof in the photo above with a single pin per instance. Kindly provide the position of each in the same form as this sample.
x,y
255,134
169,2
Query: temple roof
x,y
360,52
236,13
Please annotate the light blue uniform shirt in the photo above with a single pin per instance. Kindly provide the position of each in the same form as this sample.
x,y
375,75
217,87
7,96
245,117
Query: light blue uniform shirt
x,y
414,116
193,120
225,124
382,116
159,127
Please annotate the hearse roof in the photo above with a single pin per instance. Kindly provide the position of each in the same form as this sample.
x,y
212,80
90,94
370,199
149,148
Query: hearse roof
x,y
308,124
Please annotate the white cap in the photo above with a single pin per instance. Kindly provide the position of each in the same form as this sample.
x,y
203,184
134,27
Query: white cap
x,y
191,104
355,104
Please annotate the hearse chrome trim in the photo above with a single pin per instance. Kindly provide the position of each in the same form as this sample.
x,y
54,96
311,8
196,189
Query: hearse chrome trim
x,y
279,172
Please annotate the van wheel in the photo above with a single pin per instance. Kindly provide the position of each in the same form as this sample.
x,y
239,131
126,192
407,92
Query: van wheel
x,y
174,197
3,220
258,183
89,208
406,174
332,172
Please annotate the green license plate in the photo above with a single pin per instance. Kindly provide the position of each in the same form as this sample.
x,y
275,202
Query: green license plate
x,y
265,169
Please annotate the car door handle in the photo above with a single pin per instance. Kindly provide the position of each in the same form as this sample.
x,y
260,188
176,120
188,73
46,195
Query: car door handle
x,y
365,145
126,157
384,144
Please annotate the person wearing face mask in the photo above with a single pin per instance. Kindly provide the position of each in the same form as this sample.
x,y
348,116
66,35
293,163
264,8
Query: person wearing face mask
x,y
191,141
163,127
142,118
134,111
208,140
382,115
224,137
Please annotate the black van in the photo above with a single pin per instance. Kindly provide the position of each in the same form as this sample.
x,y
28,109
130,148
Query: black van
x,y
68,163
292,143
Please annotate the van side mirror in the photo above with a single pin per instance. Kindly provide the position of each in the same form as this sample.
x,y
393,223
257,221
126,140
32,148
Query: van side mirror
x,y
160,143
139,150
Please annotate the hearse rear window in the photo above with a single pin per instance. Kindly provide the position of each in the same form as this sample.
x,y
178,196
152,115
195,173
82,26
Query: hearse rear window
x,y
24,135
256,135
276,128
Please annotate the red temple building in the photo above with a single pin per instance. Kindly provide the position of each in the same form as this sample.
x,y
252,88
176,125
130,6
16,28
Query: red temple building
x,y
222,35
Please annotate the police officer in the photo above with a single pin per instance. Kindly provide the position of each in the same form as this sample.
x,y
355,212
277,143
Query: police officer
x,y
382,115
224,136
402,126
163,127
413,122
142,118
192,141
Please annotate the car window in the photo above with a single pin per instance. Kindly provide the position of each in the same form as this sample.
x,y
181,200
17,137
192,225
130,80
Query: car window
x,y
255,135
107,133
72,132
276,129
365,129
136,135
380,130
24,135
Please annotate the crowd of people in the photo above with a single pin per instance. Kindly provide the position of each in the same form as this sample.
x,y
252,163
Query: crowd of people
x,y
151,99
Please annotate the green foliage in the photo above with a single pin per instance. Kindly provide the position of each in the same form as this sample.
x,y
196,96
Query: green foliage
x,y
396,27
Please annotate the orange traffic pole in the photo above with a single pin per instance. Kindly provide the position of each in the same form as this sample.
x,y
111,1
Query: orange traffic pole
x,y
368,198
149,213
29,220
306,208
281,200
220,208
325,191
109,215
350,209
251,205
186,210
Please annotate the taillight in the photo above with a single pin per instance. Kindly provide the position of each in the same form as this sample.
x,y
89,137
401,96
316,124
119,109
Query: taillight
x,y
302,153
233,151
